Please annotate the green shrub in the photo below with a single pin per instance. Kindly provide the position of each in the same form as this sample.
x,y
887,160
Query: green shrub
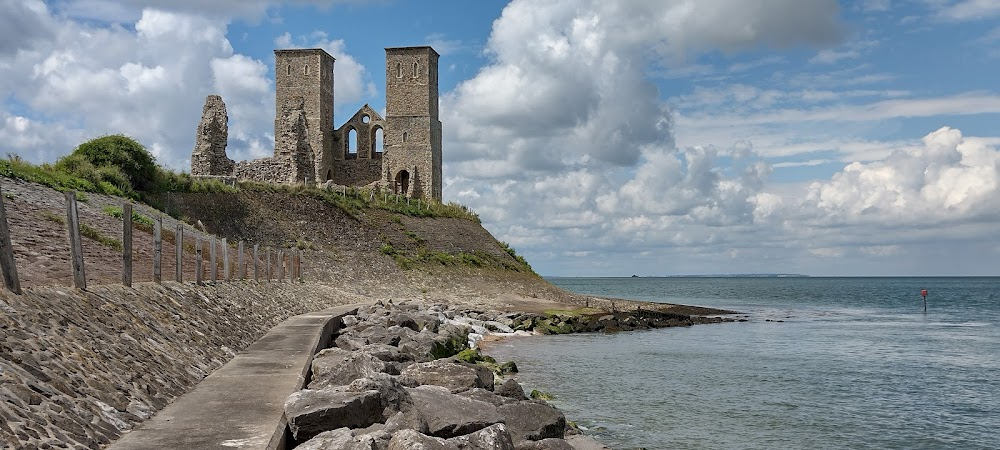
x,y
120,151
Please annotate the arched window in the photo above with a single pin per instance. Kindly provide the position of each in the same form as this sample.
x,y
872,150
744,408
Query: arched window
x,y
404,137
399,70
352,142
329,175
378,146
306,69
415,65
288,70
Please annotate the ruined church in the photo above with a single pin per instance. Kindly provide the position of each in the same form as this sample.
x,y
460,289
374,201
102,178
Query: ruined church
x,y
307,147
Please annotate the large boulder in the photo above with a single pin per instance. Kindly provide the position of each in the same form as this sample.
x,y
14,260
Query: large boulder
x,y
582,442
493,437
455,376
533,421
511,389
412,440
339,438
392,394
448,415
311,412
339,367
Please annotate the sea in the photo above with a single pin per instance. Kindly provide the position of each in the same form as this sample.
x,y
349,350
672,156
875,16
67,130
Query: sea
x,y
845,363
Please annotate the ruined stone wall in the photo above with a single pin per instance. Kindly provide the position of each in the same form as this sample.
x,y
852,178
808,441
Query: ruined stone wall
x,y
264,170
357,172
209,155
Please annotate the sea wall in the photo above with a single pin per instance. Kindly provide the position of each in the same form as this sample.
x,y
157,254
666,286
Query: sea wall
x,y
77,368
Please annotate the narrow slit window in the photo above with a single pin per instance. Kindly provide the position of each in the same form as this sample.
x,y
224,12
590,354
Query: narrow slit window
x,y
399,70
307,69
414,69
288,70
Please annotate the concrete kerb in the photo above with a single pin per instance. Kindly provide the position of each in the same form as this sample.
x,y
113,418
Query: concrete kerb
x,y
241,405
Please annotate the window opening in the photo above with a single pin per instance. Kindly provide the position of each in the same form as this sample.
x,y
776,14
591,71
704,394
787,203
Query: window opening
x,y
378,137
288,70
352,142
414,69
307,69
404,137
366,118
401,185
399,70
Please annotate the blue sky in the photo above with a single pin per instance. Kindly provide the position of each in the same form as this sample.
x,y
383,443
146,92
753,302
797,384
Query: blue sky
x,y
649,137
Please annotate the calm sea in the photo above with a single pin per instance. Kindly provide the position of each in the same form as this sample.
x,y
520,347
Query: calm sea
x,y
855,363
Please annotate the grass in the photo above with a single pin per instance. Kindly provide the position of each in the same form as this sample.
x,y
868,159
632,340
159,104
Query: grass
x,y
140,220
93,233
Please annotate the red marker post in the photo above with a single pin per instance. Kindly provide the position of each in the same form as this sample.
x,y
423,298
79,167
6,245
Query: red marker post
x,y
923,293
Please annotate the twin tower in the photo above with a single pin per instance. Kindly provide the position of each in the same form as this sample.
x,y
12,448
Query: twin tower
x,y
400,152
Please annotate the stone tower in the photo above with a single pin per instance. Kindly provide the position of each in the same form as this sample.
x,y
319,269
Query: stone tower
x,y
304,79
412,161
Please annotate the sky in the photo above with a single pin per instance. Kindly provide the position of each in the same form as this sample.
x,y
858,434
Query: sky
x,y
598,138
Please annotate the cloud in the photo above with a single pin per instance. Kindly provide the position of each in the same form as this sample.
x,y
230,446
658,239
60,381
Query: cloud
x,y
22,24
148,82
970,10
126,11
945,180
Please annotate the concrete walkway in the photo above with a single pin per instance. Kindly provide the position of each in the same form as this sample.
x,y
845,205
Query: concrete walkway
x,y
241,405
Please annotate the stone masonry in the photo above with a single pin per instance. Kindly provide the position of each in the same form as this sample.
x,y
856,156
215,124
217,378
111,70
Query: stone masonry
x,y
400,153
209,156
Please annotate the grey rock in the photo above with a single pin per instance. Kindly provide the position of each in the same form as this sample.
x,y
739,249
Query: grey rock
x,y
392,395
406,420
511,389
311,412
448,415
412,440
387,353
529,420
486,396
339,367
493,437
456,376
338,438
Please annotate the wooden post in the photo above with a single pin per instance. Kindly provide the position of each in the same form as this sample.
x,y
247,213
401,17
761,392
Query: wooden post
x,y
179,253
197,259
281,263
239,261
158,250
256,261
75,244
127,244
268,264
211,255
7,262
225,260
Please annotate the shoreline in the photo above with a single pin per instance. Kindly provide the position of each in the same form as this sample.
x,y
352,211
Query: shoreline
x,y
406,373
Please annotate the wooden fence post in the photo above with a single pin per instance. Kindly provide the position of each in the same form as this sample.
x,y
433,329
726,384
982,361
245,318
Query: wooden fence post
x,y
211,255
127,244
179,253
225,260
75,244
158,250
281,260
242,273
7,262
268,264
256,261
197,259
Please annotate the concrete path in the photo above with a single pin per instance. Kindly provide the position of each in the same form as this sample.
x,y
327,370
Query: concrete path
x,y
241,405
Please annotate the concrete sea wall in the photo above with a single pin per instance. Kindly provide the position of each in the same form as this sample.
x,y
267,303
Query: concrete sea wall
x,y
79,368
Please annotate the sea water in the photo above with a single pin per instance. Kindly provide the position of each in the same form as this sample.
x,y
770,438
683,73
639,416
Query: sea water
x,y
821,363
